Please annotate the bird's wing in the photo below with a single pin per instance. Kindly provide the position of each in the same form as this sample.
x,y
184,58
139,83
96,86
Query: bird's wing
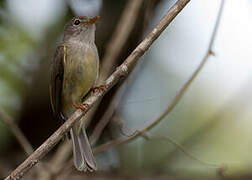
x,y
57,75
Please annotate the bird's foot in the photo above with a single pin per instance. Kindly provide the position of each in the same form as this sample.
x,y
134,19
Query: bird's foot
x,y
82,106
98,88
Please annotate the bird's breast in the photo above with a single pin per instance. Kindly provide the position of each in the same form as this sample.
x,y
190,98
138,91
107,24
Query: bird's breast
x,y
80,73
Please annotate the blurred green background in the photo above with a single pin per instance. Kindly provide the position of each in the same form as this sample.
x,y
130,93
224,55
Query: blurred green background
x,y
213,120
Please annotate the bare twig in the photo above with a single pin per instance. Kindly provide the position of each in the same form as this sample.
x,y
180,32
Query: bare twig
x,y
181,148
177,97
121,72
27,147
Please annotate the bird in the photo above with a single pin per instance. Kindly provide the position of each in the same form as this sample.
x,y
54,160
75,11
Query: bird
x,y
74,72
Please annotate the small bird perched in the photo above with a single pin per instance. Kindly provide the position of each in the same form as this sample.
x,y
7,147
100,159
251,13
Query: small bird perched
x,y
74,71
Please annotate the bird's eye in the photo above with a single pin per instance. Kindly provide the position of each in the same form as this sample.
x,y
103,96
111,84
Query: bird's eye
x,y
77,22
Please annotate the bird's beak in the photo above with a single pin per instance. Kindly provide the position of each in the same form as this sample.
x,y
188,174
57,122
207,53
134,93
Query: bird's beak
x,y
93,20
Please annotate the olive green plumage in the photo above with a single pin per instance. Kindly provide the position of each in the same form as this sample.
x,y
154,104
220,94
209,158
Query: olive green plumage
x,y
80,74
74,72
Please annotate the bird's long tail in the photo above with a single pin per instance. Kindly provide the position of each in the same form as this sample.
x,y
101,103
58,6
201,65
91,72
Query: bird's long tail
x,y
83,156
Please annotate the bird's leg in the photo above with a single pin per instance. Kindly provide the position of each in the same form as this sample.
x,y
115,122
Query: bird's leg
x,y
98,88
82,106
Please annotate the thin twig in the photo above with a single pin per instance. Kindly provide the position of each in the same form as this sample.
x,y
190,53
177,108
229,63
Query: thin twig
x,y
27,147
121,72
177,97
182,149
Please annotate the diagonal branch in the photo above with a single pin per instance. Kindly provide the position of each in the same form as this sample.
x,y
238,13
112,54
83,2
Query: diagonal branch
x,y
177,97
121,72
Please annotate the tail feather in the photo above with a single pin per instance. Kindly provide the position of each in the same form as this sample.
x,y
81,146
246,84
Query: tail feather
x,y
79,161
82,152
87,151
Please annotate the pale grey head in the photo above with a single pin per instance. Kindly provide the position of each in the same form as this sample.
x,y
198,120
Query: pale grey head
x,y
80,29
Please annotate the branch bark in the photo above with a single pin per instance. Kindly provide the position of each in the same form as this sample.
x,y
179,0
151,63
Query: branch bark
x,y
121,72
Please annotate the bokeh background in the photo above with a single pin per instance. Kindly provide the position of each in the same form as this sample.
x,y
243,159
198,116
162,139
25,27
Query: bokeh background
x,y
212,122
